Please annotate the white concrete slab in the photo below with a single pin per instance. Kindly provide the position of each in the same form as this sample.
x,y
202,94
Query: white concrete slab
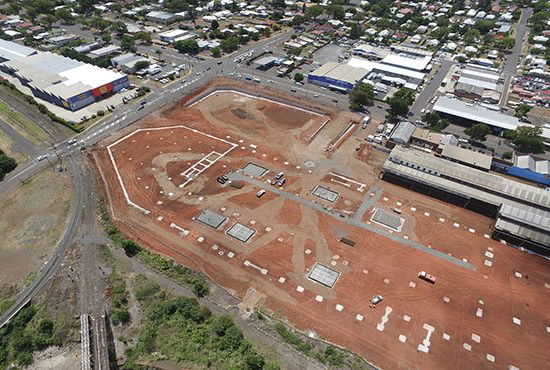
x,y
489,254
486,236
467,347
446,299
516,321
281,280
407,318
490,357
319,298
413,209
427,214
412,284
441,219
339,307
425,345
518,274
387,281
481,302
473,231
456,225
230,254
402,338
300,289
488,263
476,338
359,317
446,336
384,319
479,312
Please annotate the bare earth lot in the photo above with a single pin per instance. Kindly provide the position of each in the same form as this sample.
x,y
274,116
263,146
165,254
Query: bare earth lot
x,y
32,219
488,307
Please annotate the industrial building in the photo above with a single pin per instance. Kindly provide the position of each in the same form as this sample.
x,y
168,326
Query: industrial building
x,y
162,17
266,62
411,78
172,35
471,114
127,62
522,211
59,80
336,76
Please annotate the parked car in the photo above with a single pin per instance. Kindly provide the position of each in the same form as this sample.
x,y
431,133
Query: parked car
x,y
282,182
376,299
71,142
42,157
279,175
260,193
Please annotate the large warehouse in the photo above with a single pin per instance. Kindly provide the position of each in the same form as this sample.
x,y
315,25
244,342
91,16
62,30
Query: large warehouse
x,y
59,80
470,113
522,211
337,76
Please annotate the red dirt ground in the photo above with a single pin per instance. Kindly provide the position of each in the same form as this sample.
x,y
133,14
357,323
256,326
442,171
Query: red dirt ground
x,y
286,228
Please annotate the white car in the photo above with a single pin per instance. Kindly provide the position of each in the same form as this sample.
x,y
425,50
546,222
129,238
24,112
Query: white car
x,y
376,299
42,157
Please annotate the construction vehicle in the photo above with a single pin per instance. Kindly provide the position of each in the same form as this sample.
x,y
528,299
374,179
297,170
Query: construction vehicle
x,y
425,276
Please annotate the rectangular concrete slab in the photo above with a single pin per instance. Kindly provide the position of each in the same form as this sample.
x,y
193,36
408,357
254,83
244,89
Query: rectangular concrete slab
x,y
210,218
325,194
241,232
387,219
324,275
252,169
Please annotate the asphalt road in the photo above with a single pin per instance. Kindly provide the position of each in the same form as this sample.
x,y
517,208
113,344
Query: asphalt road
x,y
430,89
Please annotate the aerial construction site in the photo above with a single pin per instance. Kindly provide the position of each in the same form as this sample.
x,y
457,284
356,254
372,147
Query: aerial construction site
x,y
326,235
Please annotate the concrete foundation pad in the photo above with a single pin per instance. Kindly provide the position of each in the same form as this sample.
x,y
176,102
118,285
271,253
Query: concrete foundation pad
x,y
446,336
319,298
476,338
402,338
407,318
516,321
467,347
359,317
339,307
300,289
488,263
281,280
490,357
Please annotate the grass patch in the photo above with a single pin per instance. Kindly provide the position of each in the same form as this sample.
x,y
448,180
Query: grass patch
x,y
30,278
175,271
30,126
181,330
5,304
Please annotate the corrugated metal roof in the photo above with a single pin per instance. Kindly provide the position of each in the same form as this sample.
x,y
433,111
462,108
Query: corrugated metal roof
x,y
494,184
535,217
467,156
523,232
475,113
11,50
402,134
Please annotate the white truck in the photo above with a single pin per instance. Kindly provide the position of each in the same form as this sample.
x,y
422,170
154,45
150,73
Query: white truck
x,y
427,277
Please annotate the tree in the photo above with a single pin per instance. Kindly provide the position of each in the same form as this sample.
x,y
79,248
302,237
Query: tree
x,y
127,42
141,65
254,361
214,25
119,27
355,31
362,95
526,139
200,288
187,46
434,121
337,11
106,37
216,52
120,317
298,77
230,44
522,110
7,164
143,36
314,11
64,15
506,43
398,107
478,132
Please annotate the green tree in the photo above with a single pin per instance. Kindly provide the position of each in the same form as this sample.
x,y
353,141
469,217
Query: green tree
x,y
230,44
216,52
522,110
435,122
141,65
127,43
143,36
254,361
119,28
200,288
355,31
314,11
120,317
64,15
361,96
187,46
478,132
506,43
7,164
527,139
214,25
337,11
298,77
106,37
